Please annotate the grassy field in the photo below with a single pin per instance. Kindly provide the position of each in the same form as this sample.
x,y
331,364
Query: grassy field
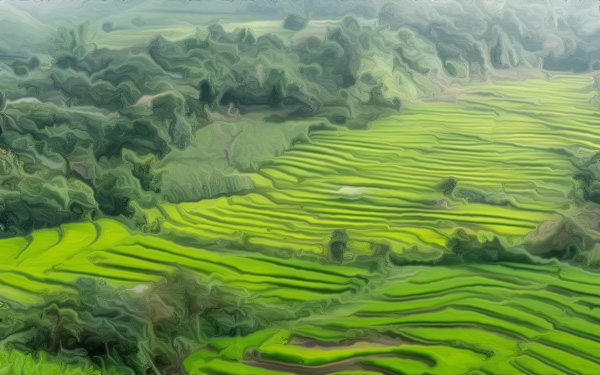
x,y
510,158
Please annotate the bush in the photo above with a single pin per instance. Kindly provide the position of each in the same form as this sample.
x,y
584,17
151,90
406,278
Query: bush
x,y
144,330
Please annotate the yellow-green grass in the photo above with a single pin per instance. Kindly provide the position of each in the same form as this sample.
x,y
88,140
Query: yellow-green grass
x,y
15,362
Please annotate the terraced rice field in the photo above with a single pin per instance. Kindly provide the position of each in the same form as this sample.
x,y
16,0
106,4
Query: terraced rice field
x,y
511,159
499,319
510,155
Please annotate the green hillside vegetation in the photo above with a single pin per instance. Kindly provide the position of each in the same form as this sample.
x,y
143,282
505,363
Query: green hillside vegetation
x,y
99,116
334,188
268,302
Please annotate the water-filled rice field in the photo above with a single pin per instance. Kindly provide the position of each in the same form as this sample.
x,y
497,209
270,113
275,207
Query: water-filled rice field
x,y
492,162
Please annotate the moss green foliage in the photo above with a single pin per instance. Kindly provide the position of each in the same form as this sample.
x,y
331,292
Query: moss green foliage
x,y
588,177
147,329
294,22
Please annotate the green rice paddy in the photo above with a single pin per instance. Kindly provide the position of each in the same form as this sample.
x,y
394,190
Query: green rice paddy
x,y
510,155
510,148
